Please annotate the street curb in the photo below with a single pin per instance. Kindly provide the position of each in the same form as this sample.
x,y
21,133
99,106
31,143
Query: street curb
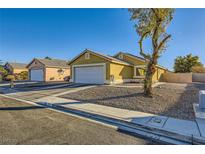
x,y
153,133
34,103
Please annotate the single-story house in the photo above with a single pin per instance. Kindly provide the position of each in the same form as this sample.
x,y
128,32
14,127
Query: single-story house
x,y
94,67
139,64
48,70
15,68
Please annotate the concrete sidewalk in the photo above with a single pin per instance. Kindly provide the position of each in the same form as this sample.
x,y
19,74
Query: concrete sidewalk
x,y
17,83
181,129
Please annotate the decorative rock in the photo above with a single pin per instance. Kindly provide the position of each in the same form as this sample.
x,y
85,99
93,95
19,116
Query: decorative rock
x,y
202,99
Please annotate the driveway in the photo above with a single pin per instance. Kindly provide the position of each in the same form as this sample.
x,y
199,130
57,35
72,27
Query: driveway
x,y
21,123
35,91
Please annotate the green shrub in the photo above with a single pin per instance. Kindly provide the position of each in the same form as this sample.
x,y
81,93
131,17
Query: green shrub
x,y
10,78
3,72
22,76
1,77
198,69
52,78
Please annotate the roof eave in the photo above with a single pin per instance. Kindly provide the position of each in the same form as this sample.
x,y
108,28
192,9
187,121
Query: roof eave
x,y
56,66
27,66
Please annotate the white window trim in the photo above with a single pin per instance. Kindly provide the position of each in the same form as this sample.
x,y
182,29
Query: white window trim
x,y
87,65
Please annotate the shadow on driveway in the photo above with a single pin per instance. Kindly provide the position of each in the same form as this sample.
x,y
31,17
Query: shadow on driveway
x,y
37,87
21,108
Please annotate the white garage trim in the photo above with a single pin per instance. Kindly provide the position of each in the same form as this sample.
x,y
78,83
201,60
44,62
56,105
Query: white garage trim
x,y
87,65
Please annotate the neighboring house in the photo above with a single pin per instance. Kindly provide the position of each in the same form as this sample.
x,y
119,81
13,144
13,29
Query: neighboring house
x,y
15,68
93,67
48,70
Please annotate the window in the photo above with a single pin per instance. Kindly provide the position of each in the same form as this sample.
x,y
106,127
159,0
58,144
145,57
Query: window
x,y
87,55
121,56
139,71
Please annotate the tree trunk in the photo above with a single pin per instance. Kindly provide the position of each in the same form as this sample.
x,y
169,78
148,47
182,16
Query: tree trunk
x,y
11,84
148,80
151,69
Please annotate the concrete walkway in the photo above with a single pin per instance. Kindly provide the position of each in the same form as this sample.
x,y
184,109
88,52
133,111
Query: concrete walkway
x,y
184,128
134,85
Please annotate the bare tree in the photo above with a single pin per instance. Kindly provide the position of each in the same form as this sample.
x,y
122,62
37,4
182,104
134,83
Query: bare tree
x,y
152,23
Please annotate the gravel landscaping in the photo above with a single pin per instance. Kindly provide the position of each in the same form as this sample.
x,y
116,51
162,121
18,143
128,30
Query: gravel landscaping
x,y
174,100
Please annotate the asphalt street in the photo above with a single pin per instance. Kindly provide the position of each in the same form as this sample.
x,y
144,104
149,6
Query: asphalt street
x,y
21,123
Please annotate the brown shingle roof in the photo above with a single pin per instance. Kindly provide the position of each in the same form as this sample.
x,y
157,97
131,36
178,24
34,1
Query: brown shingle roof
x,y
17,65
110,58
54,62
126,53
140,58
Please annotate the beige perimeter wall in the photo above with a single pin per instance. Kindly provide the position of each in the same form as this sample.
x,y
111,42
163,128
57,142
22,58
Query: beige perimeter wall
x,y
52,74
198,77
177,77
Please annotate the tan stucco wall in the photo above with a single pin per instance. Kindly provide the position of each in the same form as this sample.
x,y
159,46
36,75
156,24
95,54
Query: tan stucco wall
x,y
121,72
16,71
93,60
154,78
53,73
158,75
198,77
177,77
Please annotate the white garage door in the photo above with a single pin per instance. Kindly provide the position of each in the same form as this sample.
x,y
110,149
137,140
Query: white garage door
x,y
91,74
36,75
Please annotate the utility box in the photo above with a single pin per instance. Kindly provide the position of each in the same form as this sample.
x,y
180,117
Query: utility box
x,y
202,99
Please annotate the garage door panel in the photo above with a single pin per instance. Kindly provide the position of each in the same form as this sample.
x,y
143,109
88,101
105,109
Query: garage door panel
x,y
36,75
94,74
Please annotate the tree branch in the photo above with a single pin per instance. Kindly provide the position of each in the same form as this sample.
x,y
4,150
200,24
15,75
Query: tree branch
x,y
163,41
146,56
156,29
155,13
154,40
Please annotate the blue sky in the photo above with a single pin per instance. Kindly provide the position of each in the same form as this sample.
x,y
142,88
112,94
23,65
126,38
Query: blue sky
x,y
64,33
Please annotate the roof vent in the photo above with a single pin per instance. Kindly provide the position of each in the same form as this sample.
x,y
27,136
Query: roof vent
x,y
120,56
87,55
